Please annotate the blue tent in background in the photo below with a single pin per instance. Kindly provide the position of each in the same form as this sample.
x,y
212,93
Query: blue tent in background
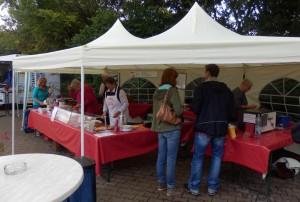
x,y
9,77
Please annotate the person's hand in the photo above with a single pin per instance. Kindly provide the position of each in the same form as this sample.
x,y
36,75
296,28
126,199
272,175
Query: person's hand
x,y
103,115
179,120
50,91
41,103
116,114
252,106
76,107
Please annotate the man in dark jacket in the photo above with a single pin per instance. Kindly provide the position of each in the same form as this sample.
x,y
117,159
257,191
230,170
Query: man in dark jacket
x,y
213,103
296,132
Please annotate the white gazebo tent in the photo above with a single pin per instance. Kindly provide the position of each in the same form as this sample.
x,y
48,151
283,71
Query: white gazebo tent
x,y
190,44
258,58
71,61
196,40
193,42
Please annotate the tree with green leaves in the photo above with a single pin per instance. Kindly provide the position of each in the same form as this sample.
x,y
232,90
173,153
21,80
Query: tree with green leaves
x,y
7,42
279,18
100,23
43,26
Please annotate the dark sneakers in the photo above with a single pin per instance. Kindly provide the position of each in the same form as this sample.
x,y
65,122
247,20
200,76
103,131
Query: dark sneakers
x,y
187,189
161,186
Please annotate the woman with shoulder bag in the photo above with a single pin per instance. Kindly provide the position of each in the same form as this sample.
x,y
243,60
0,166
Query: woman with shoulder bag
x,y
168,134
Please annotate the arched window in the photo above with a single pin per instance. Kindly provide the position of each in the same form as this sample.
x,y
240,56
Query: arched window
x,y
283,96
190,88
140,89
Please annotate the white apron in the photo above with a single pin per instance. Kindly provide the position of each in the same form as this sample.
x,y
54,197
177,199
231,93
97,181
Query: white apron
x,y
114,105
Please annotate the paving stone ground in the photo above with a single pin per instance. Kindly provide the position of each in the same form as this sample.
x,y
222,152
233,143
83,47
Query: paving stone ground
x,y
134,179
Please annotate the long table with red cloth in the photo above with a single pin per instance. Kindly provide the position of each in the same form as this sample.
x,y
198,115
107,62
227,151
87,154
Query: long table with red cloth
x,y
139,109
252,152
101,149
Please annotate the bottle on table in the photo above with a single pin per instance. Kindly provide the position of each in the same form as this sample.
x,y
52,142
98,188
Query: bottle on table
x,y
257,129
116,127
121,123
231,129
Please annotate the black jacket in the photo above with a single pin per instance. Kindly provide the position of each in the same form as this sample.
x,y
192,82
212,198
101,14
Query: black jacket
x,y
213,103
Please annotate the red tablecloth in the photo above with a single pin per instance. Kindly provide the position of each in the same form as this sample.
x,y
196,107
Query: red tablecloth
x,y
67,136
247,151
189,115
101,149
139,109
254,152
133,143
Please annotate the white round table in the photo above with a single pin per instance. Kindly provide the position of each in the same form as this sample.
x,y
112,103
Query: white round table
x,y
48,177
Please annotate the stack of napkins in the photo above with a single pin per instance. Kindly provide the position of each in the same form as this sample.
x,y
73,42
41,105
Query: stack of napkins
x,y
104,134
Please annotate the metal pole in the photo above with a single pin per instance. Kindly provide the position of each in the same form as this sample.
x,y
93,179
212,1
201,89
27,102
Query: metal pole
x,y
13,115
82,109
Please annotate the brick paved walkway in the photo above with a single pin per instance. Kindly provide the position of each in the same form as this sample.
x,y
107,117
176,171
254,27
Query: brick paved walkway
x,y
134,179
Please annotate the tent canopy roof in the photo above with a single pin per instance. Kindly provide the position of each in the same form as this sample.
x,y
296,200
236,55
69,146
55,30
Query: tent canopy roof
x,y
193,42
7,59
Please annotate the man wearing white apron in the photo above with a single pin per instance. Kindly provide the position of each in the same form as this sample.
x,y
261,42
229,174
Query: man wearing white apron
x,y
115,102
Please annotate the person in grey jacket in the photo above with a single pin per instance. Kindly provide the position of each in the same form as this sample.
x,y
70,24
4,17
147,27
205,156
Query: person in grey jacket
x,y
168,135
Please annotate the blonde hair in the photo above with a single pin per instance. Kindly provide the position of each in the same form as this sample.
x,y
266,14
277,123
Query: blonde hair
x,y
75,83
41,79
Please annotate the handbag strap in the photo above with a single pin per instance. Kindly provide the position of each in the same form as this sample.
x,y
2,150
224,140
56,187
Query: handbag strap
x,y
167,95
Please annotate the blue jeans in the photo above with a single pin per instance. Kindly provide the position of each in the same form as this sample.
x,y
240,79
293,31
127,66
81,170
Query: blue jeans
x,y
168,143
200,144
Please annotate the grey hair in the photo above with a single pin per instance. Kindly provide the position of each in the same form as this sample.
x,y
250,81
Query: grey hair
x,y
74,83
247,82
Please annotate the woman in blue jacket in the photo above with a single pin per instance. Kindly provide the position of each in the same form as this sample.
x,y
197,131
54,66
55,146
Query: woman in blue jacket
x,y
40,93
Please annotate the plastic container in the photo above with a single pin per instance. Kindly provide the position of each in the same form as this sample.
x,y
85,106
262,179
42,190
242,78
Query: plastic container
x,y
126,128
283,121
149,117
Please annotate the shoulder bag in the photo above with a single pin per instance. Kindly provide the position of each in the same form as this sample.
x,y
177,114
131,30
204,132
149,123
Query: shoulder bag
x,y
166,113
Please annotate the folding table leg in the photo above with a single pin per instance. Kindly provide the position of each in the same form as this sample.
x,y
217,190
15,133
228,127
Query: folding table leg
x,y
268,177
109,168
